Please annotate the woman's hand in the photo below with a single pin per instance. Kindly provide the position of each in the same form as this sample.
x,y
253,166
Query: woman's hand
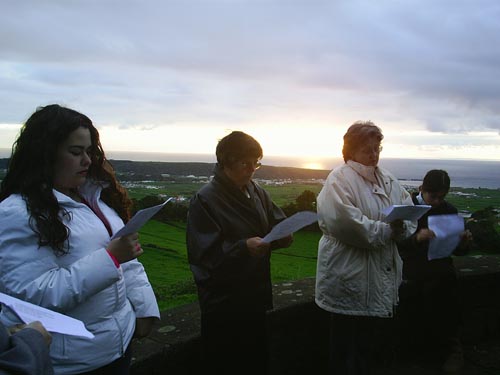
x,y
465,244
37,326
125,248
256,247
398,229
143,327
424,235
466,236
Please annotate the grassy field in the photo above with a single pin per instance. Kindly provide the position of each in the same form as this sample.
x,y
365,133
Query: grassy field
x,y
165,257
165,261
474,199
463,198
283,194
141,189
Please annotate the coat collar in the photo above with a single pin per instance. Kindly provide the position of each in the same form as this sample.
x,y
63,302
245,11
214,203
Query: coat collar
x,y
90,190
367,172
420,198
221,177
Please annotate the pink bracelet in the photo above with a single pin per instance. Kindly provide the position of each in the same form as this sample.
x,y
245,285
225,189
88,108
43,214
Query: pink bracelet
x,y
115,261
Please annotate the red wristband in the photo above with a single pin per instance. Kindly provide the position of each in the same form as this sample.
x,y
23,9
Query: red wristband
x,y
115,261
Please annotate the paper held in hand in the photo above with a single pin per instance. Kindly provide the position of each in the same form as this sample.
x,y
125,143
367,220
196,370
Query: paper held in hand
x,y
447,229
51,320
290,225
139,219
404,212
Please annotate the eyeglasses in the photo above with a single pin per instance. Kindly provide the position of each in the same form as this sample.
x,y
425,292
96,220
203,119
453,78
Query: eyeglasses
x,y
371,150
244,164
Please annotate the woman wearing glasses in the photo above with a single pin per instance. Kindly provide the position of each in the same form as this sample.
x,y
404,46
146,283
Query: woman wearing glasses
x,y
230,263
359,269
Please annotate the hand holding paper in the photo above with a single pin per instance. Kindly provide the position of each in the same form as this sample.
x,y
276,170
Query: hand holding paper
x,y
51,320
447,229
290,225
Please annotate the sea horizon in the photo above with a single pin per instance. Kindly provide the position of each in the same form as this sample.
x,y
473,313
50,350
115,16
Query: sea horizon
x,y
466,173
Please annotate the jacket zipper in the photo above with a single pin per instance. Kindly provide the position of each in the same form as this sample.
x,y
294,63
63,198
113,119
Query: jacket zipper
x,y
367,279
120,331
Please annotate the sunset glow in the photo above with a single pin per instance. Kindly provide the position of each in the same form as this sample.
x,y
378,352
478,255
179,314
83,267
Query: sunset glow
x,y
183,74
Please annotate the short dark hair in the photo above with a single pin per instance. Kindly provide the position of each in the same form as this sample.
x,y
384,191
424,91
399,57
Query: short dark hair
x,y
237,146
436,180
359,134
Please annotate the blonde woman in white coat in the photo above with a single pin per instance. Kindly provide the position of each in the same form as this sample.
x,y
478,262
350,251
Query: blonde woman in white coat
x,y
359,268
60,203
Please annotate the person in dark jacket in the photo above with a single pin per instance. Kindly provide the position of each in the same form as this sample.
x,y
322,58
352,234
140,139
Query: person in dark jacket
x,y
429,300
25,350
230,263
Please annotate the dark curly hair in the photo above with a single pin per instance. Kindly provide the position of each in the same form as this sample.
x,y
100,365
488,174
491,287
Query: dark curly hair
x,y
30,172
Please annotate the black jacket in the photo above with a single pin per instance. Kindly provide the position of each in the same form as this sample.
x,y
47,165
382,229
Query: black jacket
x,y
220,220
416,266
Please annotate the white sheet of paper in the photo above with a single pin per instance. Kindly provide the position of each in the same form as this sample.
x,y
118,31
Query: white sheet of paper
x,y
290,225
139,219
51,320
447,229
404,212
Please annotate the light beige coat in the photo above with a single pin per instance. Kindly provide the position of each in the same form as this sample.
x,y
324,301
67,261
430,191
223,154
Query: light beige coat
x,y
359,268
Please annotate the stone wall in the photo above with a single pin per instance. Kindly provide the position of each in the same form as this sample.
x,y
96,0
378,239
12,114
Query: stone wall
x,y
298,329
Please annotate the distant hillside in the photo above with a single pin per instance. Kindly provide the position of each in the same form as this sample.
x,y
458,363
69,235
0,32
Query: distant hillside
x,y
150,170
270,172
154,170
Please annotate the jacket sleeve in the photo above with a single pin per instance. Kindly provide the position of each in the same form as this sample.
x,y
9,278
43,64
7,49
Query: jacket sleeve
x,y
24,352
411,226
139,291
340,217
206,245
32,273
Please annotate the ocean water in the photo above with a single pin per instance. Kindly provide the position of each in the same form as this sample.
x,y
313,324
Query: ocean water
x,y
463,173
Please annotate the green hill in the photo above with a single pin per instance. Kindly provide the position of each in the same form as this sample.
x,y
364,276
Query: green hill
x,y
165,261
142,170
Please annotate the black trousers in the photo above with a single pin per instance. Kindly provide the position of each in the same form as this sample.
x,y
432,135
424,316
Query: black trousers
x,y
429,313
359,344
120,366
234,343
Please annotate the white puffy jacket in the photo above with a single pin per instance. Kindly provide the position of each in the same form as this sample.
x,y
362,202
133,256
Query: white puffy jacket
x,y
84,284
359,268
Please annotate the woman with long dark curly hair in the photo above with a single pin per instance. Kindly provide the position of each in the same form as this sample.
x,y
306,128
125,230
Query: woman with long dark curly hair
x,y
60,204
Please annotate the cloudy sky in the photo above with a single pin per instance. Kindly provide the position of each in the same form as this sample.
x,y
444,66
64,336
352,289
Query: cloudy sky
x,y
176,76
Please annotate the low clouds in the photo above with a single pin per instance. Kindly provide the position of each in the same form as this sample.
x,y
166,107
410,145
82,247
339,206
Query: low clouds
x,y
427,65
